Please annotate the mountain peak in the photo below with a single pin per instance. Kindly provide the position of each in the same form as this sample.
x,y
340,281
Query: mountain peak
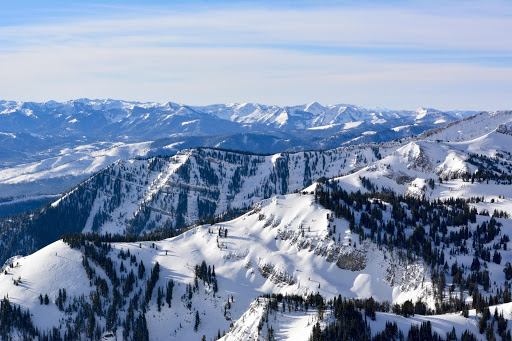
x,y
314,108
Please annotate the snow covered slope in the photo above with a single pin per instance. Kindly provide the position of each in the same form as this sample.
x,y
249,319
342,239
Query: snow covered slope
x,y
298,325
316,115
201,183
392,244
144,195
476,167
48,148
471,127
55,174
283,245
138,196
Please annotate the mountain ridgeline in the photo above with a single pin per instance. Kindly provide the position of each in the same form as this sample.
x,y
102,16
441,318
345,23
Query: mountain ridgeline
x,y
167,193
48,148
404,239
32,131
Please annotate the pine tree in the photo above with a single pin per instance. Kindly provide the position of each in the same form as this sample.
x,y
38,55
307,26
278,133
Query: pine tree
x,y
159,298
197,321
508,271
142,270
168,294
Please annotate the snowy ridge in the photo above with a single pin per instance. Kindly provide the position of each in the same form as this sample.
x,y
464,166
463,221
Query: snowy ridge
x,y
214,181
298,325
401,250
138,196
145,195
47,148
469,128
408,168
251,260
252,256
125,113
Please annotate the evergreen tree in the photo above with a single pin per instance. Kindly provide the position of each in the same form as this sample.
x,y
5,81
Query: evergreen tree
x,y
168,294
197,321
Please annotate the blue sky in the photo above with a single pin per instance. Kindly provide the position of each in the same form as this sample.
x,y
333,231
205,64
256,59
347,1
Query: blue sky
x,y
395,54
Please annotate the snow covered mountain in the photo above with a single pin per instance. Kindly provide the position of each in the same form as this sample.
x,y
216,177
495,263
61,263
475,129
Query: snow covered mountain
x,y
381,240
287,245
37,131
471,150
314,115
471,127
47,148
143,195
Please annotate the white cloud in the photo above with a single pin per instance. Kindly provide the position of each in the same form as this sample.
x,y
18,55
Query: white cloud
x,y
370,27
224,56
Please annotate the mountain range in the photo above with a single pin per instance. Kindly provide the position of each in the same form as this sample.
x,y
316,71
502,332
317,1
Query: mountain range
x,y
401,238
47,148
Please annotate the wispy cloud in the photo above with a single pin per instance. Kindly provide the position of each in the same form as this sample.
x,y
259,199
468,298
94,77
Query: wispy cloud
x,y
451,55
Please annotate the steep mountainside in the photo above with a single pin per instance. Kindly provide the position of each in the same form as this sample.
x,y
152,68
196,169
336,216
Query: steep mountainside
x,y
288,245
478,166
269,249
48,148
137,196
404,239
471,127
270,317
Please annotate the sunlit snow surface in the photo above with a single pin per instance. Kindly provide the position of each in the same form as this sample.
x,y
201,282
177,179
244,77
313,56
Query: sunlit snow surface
x,y
254,240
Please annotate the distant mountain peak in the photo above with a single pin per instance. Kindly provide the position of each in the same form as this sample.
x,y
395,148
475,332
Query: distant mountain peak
x,y
314,108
